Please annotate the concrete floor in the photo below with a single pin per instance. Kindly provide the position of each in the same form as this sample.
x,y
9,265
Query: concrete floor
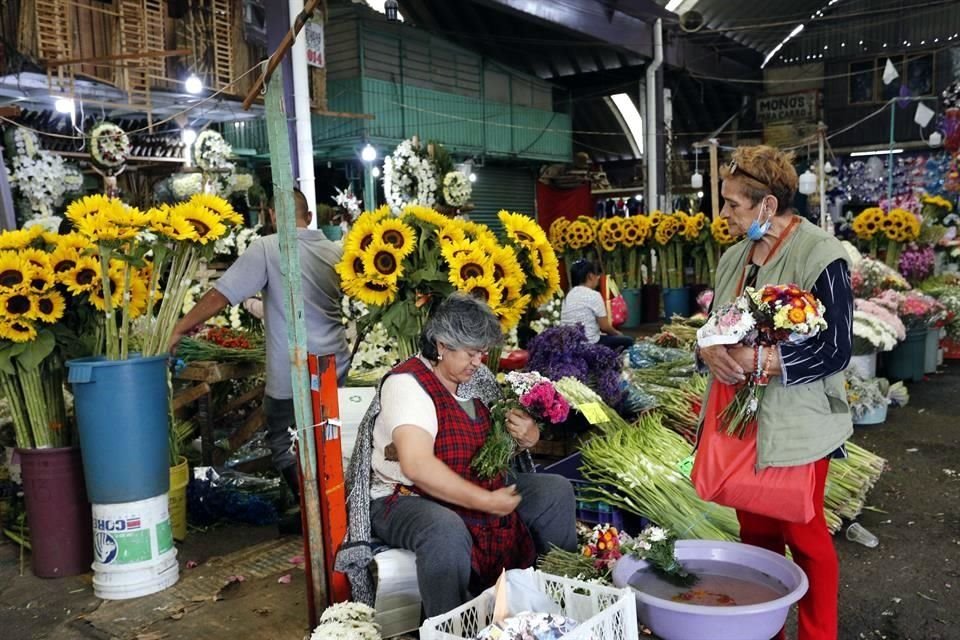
x,y
908,588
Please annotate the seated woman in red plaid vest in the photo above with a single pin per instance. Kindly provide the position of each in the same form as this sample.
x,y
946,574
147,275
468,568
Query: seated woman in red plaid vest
x,y
425,497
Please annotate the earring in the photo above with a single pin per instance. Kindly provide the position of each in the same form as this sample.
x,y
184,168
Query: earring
x,y
439,356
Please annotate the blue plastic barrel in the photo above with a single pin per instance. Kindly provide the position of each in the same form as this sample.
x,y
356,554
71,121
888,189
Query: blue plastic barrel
x,y
122,415
676,301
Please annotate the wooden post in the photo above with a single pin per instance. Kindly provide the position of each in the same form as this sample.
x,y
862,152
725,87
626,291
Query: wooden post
x,y
297,339
714,180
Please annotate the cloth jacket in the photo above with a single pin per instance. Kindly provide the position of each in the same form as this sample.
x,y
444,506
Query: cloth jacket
x,y
804,422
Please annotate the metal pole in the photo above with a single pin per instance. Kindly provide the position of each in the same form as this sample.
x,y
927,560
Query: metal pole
x,y
296,332
825,222
714,180
893,113
369,188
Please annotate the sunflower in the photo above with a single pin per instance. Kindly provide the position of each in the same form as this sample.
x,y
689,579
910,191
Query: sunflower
x,y
720,229
17,330
130,217
579,234
204,221
557,233
401,236
50,307
522,229
383,261
20,238
223,209
450,234
97,297
424,214
372,291
459,248
484,288
38,259
506,266
361,235
605,237
552,288
512,288
89,207
13,270
469,264
479,232
73,240
656,218
170,222
138,298
16,304
350,267
63,259
40,279
83,277
510,312
631,233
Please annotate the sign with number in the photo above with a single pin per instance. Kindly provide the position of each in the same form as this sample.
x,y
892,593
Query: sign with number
x,y
313,31
593,412
788,107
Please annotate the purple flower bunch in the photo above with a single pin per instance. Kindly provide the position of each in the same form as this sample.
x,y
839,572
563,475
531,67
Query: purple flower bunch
x,y
564,351
916,262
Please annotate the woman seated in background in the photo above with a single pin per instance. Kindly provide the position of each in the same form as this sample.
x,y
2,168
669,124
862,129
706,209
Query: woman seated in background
x,y
584,305
423,495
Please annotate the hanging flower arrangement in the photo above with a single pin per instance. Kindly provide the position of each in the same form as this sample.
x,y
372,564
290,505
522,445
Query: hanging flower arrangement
x,y
409,177
456,189
42,178
211,152
109,148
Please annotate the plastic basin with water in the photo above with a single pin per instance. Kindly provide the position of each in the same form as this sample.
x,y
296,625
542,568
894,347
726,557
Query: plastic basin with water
x,y
672,620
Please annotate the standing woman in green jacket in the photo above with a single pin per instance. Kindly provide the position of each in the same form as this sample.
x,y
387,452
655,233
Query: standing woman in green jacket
x,y
804,415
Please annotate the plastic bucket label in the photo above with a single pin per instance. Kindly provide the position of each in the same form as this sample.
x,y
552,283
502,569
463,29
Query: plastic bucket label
x,y
127,541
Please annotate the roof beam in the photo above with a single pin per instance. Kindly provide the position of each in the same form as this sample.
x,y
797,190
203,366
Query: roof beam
x,y
594,19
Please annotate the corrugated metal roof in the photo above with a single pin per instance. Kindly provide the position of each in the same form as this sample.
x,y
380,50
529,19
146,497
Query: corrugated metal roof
x,y
842,28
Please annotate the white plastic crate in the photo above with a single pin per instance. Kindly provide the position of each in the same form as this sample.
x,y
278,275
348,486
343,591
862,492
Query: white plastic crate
x,y
604,613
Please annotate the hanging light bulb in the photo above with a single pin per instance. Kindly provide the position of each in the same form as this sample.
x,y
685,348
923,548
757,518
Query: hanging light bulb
x,y
696,180
808,182
193,84
189,136
368,153
376,172
63,104
936,139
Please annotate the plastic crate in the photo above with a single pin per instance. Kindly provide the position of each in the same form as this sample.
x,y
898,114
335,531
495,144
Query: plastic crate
x,y
604,613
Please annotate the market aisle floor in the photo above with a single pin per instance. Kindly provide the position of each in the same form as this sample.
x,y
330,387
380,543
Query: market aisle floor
x,y
905,589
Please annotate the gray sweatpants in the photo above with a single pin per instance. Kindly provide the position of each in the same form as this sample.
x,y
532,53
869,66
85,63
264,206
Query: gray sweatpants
x,y
280,419
443,545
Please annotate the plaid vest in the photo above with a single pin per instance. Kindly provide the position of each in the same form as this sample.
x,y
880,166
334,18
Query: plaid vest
x,y
498,542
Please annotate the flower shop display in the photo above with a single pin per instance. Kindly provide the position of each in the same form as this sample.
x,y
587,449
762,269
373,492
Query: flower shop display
x,y
760,318
41,178
211,152
875,329
875,228
109,148
871,277
348,201
867,398
347,621
564,351
409,177
400,266
916,262
457,189
222,344
548,314
529,392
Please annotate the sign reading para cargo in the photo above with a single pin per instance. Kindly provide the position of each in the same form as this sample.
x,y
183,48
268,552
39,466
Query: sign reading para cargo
x,y
788,107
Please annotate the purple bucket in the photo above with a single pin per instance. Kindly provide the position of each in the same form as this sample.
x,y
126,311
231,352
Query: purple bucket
x,y
671,620
61,529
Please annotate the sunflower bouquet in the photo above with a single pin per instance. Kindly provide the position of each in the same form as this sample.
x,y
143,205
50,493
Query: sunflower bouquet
x,y
401,266
36,268
133,252
622,240
671,233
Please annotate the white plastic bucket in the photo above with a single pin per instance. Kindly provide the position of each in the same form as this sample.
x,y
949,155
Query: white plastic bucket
x,y
865,365
133,549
